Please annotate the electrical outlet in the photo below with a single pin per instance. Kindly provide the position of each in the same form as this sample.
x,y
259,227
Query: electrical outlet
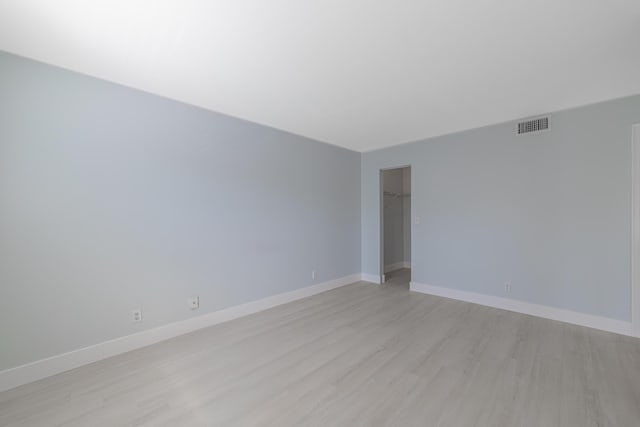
x,y
507,286
313,275
417,220
194,303
136,315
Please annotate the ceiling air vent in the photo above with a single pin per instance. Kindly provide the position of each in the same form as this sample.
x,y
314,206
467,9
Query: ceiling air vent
x,y
533,125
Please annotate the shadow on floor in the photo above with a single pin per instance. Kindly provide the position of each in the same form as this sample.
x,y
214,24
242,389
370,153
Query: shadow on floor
x,y
398,278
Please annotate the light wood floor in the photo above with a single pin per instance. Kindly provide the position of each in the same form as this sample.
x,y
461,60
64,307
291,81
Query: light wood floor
x,y
362,355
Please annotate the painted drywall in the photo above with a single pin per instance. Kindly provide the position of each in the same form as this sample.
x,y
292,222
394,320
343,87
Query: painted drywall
x,y
548,212
112,199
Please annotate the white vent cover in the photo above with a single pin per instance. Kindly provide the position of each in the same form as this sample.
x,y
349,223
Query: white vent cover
x,y
533,125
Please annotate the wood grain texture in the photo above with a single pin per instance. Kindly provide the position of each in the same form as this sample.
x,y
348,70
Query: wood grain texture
x,y
362,355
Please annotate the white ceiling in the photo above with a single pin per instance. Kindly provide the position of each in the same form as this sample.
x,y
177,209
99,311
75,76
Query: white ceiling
x,y
362,74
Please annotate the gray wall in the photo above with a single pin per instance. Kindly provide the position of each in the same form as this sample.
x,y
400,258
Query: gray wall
x,y
112,199
548,212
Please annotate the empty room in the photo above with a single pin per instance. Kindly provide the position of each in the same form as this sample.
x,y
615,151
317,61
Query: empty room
x,y
325,213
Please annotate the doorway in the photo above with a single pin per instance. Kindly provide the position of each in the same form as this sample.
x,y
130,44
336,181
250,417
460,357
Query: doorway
x,y
635,230
395,226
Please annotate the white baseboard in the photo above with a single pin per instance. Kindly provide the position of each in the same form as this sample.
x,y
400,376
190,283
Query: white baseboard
x,y
596,322
34,371
371,278
397,266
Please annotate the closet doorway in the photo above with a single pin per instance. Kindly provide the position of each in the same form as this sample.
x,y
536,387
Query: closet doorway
x,y
395,226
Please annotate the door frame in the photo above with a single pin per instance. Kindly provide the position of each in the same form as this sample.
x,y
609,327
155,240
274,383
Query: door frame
x,y
635,230
381,213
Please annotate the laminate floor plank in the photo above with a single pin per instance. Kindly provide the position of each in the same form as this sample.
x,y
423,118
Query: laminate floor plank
x,y
360,355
